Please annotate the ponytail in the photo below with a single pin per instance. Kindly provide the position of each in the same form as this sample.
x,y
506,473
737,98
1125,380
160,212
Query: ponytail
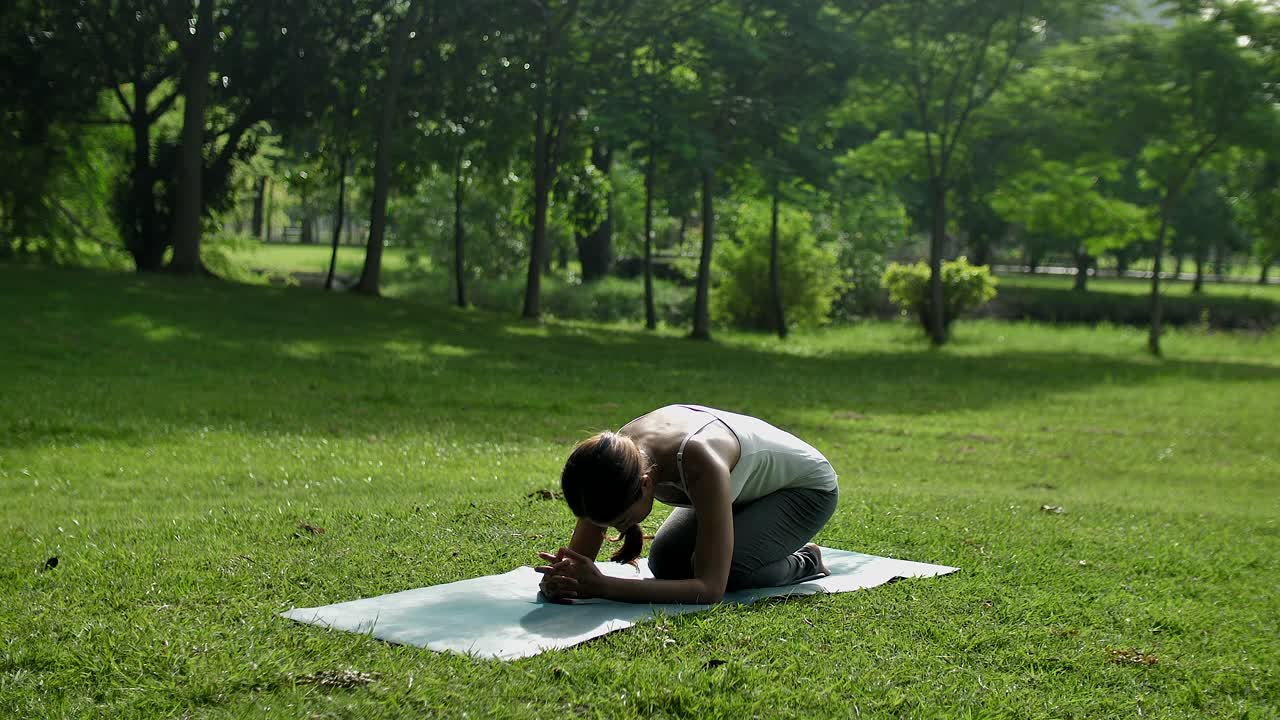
x,y
632,543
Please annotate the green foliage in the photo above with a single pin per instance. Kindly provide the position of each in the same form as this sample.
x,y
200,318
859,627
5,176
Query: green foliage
x,y
808,270
865,227
1067,201
1060,305
964,287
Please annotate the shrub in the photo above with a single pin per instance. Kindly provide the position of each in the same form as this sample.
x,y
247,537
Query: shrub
x,y
808,272
964,287
607,300
613,299
1062,305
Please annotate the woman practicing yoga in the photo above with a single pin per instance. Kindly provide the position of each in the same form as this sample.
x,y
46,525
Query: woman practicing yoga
x,y
748,498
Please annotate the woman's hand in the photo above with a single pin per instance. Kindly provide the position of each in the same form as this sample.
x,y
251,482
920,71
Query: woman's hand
x,y
554,584
569,575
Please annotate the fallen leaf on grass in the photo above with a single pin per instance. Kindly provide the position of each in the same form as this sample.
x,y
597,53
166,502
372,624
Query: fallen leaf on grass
x,y
313,529
337,678
1053,509
544,495
1121,656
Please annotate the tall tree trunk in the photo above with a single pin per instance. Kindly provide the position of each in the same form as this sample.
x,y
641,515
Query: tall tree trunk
x,y
1122,263
1083,260
307,235
775,272
371,274
259,204
702,297
1198,285
1157,310
541,189
1031,256
595,248
1266,267
981,249
337,224
650,311
459,264
937,320
188,205
266,213
146,244
1177,266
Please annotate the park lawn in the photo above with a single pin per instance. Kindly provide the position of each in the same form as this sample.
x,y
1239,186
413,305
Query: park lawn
x,y
164,439
282,258
1139,286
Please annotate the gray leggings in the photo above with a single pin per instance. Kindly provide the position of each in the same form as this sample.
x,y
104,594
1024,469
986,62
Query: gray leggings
x,y
768,539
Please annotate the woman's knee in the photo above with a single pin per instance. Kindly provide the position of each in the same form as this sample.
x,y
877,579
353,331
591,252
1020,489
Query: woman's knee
x,y
670,561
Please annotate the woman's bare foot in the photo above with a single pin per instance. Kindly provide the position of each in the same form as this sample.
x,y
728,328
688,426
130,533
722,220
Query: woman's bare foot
x,y
817,554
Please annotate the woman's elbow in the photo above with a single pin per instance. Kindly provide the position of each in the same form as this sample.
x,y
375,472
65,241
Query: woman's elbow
x,y
711,592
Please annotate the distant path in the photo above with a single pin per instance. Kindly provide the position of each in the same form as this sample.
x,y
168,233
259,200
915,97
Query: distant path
x,y
1137,274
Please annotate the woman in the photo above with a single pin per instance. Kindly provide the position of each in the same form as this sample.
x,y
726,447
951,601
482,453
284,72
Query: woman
x,y
748,498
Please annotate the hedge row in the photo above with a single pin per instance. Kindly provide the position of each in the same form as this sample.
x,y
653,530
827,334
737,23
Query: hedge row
x,y
1056,305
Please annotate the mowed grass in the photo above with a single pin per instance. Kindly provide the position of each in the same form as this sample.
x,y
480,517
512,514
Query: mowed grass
x,y
283,258
164,439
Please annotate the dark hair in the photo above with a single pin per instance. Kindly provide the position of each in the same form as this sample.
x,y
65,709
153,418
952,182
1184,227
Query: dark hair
x,y
600,480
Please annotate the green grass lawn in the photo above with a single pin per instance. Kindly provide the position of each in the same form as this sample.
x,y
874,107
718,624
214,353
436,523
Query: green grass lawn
x,y
314,258
164,439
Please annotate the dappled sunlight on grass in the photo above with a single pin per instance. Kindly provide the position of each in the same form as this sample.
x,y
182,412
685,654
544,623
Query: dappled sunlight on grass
x,y
168,440
149,329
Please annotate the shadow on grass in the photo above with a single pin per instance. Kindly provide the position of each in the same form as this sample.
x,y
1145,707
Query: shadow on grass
x,y
119,357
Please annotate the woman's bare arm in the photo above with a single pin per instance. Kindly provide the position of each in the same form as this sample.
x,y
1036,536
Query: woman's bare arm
x,y
587,538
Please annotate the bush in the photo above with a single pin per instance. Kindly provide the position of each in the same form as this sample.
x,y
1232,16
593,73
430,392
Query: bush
x,y
612,300
964,287
809,273
1062,305
607,300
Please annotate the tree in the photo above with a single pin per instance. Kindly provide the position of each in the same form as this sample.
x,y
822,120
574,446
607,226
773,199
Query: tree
x,y
194,38
1197,89
950,58
128,41
1065,201
401,29
48,86
1202,221
792,110
562,42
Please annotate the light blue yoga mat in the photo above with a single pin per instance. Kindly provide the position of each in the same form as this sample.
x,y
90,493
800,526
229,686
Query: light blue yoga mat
x,y
504,616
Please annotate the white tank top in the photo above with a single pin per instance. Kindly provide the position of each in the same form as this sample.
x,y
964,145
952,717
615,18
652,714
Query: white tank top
x,y
771,459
